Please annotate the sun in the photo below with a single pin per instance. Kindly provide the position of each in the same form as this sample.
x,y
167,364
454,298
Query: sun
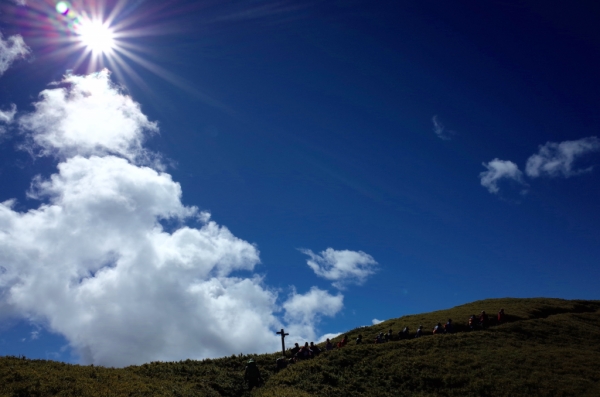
x,y
96,36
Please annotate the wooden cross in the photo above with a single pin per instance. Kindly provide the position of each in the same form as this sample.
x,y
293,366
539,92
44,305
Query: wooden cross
x,y
283,335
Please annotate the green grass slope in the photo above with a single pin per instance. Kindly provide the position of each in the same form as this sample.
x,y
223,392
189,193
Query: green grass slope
x,y
548,347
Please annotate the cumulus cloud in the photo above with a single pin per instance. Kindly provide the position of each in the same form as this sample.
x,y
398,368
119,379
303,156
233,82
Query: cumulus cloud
x,y
89,115
94,263
303,311
376,321
558,159
12,49
500,170
342,267
440,130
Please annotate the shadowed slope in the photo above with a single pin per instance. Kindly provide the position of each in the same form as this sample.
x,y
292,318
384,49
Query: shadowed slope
x,y
549,348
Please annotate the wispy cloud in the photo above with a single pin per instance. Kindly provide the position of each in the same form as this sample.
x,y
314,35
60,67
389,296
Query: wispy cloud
x,y
498,170
558,159
272,12
7,117
342,267
440,130
11,49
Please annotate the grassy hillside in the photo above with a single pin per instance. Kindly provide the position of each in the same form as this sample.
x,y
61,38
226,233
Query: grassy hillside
x,y
548,347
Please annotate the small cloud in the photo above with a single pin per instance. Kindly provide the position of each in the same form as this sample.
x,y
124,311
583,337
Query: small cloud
x,y
376,321
7,117
498,170
304,311
558,159
12,49
342,267
204,216
324,337
35,335
440,130
305,308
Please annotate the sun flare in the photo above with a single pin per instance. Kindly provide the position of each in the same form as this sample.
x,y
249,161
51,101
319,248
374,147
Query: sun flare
x,y
98,37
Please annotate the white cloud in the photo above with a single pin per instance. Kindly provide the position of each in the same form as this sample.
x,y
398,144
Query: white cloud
x,y
302,312
89,116
7,117
343,267
11,49
558,159
440,130
376,321
498,170
94,263
324,337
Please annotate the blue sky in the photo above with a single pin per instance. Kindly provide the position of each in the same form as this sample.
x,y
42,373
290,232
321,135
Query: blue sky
x,y
367,160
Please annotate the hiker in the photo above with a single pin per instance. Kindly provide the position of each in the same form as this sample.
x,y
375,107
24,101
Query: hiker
x,y
472,322
315,349
252,375
501,316
359,339
437,329
449,327
295,350
389,335
328,345
404,333
304,353
343,342
419,332
484,320
379,338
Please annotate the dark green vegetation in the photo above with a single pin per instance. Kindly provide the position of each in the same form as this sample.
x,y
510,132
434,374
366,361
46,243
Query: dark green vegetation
x,y
548,347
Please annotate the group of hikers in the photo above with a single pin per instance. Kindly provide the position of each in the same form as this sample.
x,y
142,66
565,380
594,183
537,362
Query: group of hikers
x,y
308,351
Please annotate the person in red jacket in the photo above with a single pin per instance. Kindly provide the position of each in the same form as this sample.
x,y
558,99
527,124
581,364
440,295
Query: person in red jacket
x,y
501,317
343,342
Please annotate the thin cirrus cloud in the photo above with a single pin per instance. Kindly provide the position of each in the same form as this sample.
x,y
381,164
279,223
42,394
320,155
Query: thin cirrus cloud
x,y
498,170
440,130
559,159
343,267
552,160
7,117
93,263
12,49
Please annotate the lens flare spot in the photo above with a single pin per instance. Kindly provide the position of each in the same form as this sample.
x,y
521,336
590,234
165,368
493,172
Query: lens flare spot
x,y
63,7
